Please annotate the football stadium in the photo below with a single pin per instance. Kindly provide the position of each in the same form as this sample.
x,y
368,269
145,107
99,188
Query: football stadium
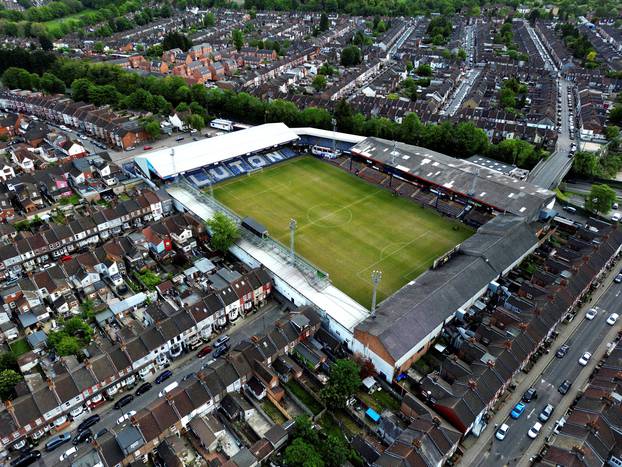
x,y
439,229
345,225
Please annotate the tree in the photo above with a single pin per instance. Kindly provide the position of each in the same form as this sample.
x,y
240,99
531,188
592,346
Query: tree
x,y
45,42
8,380
78,328
237,38
335,451
67,345
80,89
224,232
319,82
585,164
615,115
343,382
612,132
209,20
8,361
196,121
51,84
176,40
304,429
350,56
324,24
600,199
300,453
152,127
424,70
98,47
18,78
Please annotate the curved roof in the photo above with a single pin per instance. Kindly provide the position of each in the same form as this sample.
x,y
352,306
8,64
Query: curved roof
x,y
197,154
328,134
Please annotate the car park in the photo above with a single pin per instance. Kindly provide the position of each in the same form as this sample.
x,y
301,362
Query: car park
x,y
166,374
518,410
125,417
591,313
82,436
585,358
562,351
142,389
546,413
613,317
123,401
529,395
56,441
88,422
502,431
68,453
534,430
26,458
564,387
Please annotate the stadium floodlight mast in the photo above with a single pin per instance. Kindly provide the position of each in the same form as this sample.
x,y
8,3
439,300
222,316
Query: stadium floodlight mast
x,y
375,280
334,123
292,233
173,162
394,153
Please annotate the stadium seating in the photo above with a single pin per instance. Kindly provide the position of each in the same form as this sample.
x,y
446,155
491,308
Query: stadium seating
x,y
199,178
237,166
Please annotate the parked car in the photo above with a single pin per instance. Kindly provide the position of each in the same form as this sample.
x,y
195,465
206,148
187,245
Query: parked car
x,y
68,453
166,374
143,388
613,317
502,431
26,458
518,410
529,395
204,352
564,387
147,148
222,340
88,422
615,218
82,436
591,313
585,358
220,351
125,417
618,279
534,430
100,433
123,401
180,138
562,351
56,441
546,413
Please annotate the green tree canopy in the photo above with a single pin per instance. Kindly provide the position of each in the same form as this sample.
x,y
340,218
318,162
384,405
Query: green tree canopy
x,y
344,381
237,38
585,164
350,56
223,232
152,127
8,361
302,454
176,40
8,380
600,199
319,82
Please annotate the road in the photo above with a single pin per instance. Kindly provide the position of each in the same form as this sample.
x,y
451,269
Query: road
x,y
242,330
551,171
463,88
587,337
548,62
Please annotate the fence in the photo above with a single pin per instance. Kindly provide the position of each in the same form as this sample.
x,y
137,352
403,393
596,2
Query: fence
x,y
316,277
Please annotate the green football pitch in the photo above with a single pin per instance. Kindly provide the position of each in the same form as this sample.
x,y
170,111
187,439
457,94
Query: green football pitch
x,y
345,226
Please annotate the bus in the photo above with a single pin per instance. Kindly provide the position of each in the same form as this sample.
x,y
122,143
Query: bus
x,y
325,152
221,124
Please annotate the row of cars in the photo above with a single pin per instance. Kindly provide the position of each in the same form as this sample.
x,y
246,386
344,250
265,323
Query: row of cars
x,y
518,410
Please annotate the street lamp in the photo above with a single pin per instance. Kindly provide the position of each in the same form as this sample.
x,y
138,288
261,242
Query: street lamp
x,y
292,233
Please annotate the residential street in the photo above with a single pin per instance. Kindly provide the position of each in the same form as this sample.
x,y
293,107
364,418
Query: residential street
x,y
581,335
550,172
189,363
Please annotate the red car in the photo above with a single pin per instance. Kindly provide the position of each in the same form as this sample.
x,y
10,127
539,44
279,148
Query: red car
x,y
146,148
66,258
204,351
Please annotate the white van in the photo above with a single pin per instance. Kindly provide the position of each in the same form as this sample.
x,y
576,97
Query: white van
x,y
168,389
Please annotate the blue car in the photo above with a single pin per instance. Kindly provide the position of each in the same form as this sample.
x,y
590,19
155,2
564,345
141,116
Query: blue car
x,y
518,410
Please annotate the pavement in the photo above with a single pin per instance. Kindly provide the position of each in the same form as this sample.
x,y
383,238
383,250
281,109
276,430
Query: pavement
x,y
241,330
546,375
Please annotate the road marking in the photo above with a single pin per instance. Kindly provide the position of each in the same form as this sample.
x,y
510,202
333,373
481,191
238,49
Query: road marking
x,y
531,413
